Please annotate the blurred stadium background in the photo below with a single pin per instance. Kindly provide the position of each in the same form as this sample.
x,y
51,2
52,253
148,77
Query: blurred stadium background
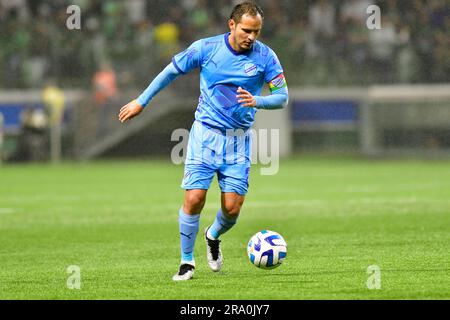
x,y
355,94
353,90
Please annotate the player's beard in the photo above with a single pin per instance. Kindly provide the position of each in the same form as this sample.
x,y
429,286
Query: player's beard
x,y
241,43
244,45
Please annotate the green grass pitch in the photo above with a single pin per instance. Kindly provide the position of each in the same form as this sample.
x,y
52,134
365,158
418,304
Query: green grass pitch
x,y
117,221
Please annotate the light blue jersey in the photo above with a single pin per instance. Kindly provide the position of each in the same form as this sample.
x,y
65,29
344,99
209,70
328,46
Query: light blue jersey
x,y
212,148
222,71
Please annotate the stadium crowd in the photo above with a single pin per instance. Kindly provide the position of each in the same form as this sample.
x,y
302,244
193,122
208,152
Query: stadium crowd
x,y
322,42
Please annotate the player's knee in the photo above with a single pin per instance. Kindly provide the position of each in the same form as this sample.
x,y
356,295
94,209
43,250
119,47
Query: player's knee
x,y
194,203
232,208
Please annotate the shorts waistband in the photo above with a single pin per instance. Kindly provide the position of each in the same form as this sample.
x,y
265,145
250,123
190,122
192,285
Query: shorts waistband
x,y
223,131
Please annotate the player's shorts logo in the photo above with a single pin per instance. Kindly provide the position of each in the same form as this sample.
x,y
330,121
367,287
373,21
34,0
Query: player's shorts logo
x,y
250,69
187,175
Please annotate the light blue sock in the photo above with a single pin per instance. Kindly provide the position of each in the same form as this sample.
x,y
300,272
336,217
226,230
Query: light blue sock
x,y
222,224
189,225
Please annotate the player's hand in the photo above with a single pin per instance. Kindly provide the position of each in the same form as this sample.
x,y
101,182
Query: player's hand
x,y
130,111
246,97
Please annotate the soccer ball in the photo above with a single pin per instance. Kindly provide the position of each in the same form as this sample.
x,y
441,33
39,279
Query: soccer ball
x,y
267,249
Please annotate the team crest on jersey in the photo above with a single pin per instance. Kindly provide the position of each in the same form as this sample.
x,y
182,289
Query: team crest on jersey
x,y
250,69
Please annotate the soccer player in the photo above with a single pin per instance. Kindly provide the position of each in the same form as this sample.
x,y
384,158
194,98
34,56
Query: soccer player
x,y
233,69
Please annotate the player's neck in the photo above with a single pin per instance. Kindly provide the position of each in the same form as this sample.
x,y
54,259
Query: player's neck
x,y
233,44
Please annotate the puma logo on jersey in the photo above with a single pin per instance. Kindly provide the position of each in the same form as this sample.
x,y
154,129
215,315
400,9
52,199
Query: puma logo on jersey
x,y
213,62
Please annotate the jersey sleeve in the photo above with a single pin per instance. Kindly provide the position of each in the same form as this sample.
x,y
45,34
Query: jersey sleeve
x,y
189,59
273,67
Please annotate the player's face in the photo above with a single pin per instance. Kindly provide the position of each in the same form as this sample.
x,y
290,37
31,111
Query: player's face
x,y
245,33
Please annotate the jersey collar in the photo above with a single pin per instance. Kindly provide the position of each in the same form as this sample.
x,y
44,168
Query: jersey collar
x,y
236,53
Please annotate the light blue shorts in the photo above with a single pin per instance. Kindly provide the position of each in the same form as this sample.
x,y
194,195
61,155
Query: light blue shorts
x,y
212,150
